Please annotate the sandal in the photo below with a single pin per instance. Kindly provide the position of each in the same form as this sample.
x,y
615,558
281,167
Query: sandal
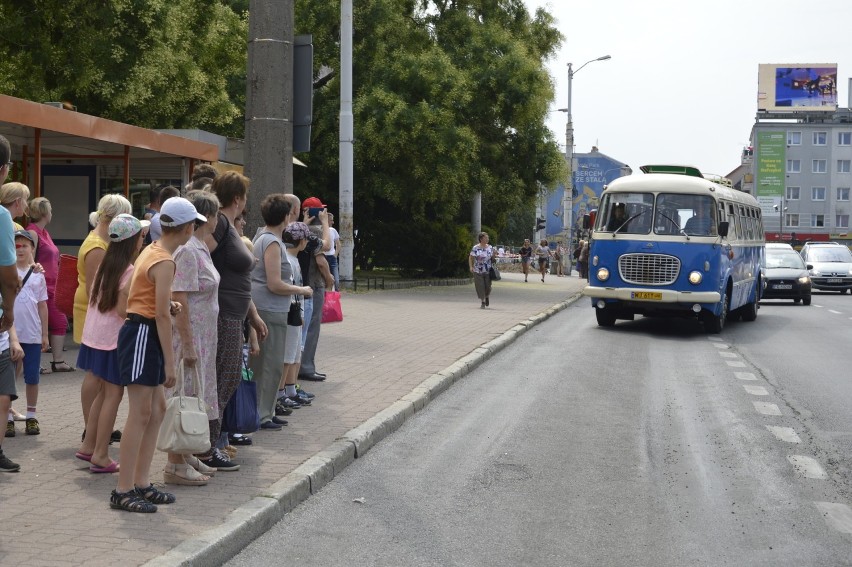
x,y
43,370
199,465
130,501
183,474
154,496
55,363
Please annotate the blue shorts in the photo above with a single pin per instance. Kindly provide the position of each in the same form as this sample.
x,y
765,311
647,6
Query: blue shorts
x,y
140,357
101,363
32,362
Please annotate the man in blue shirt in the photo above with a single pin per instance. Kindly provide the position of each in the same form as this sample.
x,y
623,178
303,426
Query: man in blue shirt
x,y
702,223
9,285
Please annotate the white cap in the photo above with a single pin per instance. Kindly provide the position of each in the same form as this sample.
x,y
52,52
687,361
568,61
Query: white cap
x,y
180,211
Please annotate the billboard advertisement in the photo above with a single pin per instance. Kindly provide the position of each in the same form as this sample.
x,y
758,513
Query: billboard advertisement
x,y
797,87
591,172
770,165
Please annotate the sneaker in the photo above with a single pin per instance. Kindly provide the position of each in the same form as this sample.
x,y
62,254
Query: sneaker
x,y
32,426
303,393
6,465
281,410
289,403
221,462
10,429
301,400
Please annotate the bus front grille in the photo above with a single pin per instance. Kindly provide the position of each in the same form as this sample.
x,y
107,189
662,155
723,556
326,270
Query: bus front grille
x,y
648,269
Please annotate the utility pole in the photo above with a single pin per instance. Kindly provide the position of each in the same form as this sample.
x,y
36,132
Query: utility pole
x,y
347,152
269,103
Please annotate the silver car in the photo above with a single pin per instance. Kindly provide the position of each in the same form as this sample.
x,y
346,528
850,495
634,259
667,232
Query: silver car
x,y
831,266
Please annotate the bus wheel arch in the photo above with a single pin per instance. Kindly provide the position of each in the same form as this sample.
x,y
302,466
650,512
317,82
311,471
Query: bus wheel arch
x,y
715,323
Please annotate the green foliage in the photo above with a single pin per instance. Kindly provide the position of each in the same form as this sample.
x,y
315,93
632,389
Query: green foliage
x,y
155,64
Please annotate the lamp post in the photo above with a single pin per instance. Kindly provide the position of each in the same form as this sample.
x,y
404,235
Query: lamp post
x,y
781,210
568,199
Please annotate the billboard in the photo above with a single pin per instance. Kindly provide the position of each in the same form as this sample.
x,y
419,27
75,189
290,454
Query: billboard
x,y
797,87
770,161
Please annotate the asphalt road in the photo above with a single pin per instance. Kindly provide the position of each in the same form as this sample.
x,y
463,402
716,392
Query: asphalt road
x,y
650,443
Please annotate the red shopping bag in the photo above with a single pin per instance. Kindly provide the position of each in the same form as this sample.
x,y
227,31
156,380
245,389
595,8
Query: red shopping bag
x,y
66,284
332,312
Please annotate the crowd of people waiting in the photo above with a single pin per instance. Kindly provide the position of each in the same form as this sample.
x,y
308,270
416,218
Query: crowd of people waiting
x,y
181,288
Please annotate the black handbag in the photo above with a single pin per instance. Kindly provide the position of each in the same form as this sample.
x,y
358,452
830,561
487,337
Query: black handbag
x,y
494,274
294,316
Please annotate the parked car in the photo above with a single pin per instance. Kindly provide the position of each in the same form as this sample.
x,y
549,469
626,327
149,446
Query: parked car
x,y
830,265
786,275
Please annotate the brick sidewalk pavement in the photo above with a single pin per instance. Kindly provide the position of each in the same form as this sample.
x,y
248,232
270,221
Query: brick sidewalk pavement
x,y
57,513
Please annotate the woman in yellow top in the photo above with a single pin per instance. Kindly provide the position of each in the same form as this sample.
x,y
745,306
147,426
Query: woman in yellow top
x,y
88,261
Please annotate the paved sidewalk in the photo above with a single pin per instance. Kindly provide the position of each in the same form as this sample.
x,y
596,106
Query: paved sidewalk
x,y
57,513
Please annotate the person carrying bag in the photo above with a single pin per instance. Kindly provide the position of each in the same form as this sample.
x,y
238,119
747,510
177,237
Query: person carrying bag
x,y
185,428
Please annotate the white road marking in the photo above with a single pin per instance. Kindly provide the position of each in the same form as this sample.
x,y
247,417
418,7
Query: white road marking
x,y
835,312
756,390
728,354
745,376
807,467
736,363
837,516
766,408
787,434
713,339
720,345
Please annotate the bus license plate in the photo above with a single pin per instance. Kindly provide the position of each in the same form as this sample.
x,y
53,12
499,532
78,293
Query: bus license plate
x,y
835,280
647,295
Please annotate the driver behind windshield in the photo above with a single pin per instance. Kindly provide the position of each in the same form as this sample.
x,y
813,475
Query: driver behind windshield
x,y
617,218
702,222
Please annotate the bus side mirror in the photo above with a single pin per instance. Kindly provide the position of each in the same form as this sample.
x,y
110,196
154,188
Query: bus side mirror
x,y
723,228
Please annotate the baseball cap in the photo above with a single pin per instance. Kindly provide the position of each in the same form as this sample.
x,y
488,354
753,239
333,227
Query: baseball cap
x,y
25,234
180,211
312,202
124,226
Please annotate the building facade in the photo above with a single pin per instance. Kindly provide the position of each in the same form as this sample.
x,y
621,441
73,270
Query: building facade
x,y
802,167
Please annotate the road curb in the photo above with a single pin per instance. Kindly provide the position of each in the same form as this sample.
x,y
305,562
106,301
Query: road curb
x,y
254,518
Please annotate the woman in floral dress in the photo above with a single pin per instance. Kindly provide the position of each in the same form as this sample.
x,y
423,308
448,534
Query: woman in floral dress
x,y
196,287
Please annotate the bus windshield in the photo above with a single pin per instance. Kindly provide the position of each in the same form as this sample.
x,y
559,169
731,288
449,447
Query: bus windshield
x,y
675,213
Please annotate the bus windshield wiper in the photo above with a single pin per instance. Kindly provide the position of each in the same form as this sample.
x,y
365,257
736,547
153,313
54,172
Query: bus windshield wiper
x,y
639,214
677,226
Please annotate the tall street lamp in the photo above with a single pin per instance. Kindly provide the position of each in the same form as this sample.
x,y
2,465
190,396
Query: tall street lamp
x,y
781,210
568,199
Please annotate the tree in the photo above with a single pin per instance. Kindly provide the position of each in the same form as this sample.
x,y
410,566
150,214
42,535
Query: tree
x,y
450,99
155,64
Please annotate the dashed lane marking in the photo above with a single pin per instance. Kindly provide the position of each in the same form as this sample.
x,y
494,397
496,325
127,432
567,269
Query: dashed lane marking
x,y
766,408
837,516
714,339
786,434
835,312
736,363
745,376
756,390
807,467
728,354
720,345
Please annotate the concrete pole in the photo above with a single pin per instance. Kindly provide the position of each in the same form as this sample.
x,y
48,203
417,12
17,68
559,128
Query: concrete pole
x,y
568,200
269,104
347,152
476,214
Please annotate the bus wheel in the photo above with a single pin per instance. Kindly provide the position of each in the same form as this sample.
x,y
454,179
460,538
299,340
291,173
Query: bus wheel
x,y
749,311
715,323
606,317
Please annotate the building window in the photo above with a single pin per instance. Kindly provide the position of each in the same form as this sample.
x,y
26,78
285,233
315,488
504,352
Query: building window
x,y
794,138
820,138
817,221
817,193
844,166
841,221
843,193
844,138
792,220
819,166
794,166
793,193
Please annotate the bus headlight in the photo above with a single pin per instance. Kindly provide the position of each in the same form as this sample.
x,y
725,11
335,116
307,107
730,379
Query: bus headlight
x,y
603,274
695,278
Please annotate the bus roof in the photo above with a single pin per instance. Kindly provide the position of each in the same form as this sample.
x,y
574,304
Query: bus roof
x,y
667,183
672,169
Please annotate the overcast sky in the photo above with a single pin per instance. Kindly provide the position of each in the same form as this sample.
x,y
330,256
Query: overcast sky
x,y
681,86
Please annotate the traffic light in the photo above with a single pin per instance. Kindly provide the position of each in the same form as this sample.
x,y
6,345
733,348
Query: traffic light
x,y
540,223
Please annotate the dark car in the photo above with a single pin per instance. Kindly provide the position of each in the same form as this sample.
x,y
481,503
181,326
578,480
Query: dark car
x,y
830,266
786,275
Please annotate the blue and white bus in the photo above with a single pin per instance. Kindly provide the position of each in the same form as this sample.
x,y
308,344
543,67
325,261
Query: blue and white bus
x,y
672,242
